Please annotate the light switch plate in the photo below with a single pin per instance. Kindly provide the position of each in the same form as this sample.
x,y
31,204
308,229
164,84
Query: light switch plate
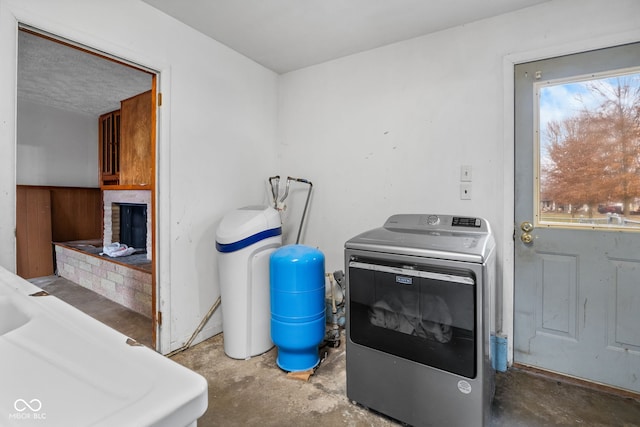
x,y
465,173
465,191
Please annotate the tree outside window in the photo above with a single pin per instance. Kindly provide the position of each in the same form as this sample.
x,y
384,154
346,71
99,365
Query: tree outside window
x,y
590,152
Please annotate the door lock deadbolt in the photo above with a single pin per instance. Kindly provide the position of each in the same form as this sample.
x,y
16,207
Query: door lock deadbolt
x,y
526,226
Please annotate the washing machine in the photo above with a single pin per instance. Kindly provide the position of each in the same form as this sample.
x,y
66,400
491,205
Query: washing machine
x,y
420,295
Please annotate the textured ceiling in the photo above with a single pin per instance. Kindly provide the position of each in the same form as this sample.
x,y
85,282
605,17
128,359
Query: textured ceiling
x,y
282,35
285,35
70,79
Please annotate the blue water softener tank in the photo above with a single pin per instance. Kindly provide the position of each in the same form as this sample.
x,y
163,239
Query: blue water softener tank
x,y
297,306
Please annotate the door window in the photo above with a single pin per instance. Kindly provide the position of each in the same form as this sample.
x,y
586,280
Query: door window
x,y
588,137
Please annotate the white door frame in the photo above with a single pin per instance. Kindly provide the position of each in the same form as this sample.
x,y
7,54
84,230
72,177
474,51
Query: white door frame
x,y
11,17
508,65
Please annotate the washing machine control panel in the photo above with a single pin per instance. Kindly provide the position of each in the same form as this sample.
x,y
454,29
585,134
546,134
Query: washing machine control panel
x,y
458,221
433,222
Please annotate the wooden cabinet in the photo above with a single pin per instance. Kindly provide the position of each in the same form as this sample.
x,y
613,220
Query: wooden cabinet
x,y
126,146
135,140
109,148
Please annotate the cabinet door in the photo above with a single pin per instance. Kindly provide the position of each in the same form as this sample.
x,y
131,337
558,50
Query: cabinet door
x,y
109,148
135,140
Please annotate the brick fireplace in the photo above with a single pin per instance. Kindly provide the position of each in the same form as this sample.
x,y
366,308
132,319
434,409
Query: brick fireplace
x,y
114,278
112,200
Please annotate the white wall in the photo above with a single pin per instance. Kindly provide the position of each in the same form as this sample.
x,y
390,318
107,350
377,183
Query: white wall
x,y
377,133
386,131
56,147
217,107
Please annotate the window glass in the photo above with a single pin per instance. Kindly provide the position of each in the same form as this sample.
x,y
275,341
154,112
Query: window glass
x,y
588,135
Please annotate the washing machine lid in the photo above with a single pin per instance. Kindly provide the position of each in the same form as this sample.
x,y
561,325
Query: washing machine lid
x,y
450,237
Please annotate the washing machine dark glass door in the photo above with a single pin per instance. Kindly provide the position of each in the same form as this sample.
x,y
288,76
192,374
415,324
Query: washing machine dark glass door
x,y
415,311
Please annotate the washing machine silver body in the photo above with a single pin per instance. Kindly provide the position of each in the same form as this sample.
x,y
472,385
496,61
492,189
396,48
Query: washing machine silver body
x,y
420,295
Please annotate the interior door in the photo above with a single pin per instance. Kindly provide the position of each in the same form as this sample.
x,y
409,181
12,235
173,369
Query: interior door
x,y
577,236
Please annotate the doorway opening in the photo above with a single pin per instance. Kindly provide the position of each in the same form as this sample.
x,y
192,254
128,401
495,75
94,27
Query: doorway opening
x,y
65,91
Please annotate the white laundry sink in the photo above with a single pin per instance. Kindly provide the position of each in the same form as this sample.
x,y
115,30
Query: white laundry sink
x,y
11,317
59,366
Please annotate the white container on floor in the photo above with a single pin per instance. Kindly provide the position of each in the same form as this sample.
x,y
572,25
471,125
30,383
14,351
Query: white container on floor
x,y
245,239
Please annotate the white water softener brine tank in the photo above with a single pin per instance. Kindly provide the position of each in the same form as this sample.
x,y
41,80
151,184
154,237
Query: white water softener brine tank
x,y
245,239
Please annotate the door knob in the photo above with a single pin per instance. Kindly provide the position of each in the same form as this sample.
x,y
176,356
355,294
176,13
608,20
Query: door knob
x,y
526,238
526,227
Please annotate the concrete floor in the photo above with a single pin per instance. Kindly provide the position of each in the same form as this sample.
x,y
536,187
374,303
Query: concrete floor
x,y
256,392
120,318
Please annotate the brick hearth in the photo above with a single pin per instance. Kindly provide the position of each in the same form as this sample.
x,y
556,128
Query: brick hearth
x,y
126,285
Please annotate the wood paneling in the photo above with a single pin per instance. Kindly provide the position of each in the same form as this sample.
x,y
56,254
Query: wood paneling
x,y
33,232
135,140
76,213
46,214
